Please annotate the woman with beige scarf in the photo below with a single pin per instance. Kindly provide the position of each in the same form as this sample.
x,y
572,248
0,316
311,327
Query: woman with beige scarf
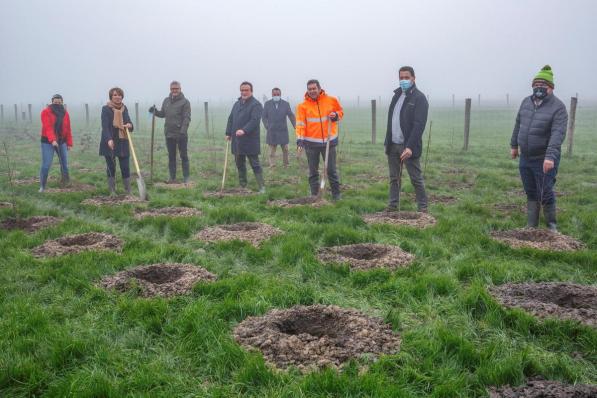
x,y
114,143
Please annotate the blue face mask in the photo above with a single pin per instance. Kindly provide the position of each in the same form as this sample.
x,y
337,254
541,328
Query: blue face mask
x,y
276,98
405,84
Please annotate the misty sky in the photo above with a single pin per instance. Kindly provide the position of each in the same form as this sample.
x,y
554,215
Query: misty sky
x,y
82,48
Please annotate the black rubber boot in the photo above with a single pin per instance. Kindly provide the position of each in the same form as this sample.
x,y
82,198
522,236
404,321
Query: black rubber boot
x,y
260,182
533,214
549,211
127,185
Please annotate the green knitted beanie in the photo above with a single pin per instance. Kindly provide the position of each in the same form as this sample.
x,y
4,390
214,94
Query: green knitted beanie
x,y
545,75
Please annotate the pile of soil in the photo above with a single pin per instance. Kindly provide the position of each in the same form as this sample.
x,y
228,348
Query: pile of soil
x,y
71,188
363,256
542,239
251,232
551,299
539,388
167,212
163,280
112,200
5,205
408,218
312,201
30,224
311,337
229,192
175,185
91,241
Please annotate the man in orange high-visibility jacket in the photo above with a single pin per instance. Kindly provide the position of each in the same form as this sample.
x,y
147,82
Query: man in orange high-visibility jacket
x,y
316,123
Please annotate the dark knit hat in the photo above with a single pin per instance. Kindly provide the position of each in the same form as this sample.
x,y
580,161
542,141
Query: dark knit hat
x,y
545,75
57,96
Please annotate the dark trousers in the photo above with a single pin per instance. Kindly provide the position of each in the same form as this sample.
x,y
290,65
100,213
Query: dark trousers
x,y
313,155
180,142
538,185
241,166
123,162
413,166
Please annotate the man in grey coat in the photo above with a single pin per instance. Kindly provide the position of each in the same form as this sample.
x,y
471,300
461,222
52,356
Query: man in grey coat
x,y
275,112
176,109
243,130
537,138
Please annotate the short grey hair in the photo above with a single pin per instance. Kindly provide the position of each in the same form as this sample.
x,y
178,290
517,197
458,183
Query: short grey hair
x,y
174,83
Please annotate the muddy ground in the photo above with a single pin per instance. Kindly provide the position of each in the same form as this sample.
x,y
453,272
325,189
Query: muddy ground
x,y
551,299
91,241
539,388
229,192
536,238
112,200
312,201
175,185
251,232
407,218
30,224
167,212
165,280
363,256
71,188
311,337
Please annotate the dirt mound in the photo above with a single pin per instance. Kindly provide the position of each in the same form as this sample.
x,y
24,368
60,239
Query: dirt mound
x,y
251,232
408,218
112,200
158,279
71,188
312,201
538,388
91,241
311,337
5,205
542,239
167,212
30,224
364,256
175,185
229,192
551,299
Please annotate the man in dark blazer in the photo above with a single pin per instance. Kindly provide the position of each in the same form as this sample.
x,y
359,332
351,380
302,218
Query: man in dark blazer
x,y
275,113
243,130
407,118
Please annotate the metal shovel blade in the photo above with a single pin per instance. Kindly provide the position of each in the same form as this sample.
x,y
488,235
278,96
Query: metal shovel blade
x,y
142,189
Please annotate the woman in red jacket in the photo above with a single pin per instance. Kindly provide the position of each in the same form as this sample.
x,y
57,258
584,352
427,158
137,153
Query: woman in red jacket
x,y
56,136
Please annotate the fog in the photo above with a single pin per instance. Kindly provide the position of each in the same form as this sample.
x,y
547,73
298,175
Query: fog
x,y
82,48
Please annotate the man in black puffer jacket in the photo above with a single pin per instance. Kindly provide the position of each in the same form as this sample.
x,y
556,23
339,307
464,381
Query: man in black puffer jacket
x,y
538,134
176,109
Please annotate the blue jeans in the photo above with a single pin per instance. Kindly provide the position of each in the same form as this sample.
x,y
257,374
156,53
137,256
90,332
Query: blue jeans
x,y
538,185
47,156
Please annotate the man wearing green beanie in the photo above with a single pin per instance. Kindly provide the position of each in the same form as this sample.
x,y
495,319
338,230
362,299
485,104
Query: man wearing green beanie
x,y
537,138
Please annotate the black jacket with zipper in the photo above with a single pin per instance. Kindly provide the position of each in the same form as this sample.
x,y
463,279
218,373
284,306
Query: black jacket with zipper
x,y
413,118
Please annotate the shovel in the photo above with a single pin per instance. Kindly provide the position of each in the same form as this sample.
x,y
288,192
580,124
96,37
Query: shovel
x,y
225,165
140,181
325,161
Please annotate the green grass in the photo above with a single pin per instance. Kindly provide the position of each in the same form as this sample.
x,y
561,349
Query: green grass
x,y
60,335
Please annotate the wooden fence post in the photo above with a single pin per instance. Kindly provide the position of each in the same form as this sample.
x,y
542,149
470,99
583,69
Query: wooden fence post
x,y
30,111
2,114
206,110
467,122
87,114
571,123
16,114
137,125
373,120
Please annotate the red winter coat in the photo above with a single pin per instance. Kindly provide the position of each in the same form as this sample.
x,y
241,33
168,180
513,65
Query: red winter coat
x,y
48,120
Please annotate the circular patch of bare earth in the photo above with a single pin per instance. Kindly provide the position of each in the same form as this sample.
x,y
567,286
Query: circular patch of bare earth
x,y
229,192
112,200
30,224
251,232
71,188
175,185
312,201
311,337
167,212
406,218
364,256
538,388
164,280
536,238
91,241
551,299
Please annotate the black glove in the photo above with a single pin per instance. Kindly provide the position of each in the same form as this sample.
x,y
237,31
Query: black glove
x,y
152,109
300,143
335,118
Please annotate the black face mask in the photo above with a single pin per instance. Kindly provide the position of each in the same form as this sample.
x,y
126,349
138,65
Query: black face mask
x,y
540,92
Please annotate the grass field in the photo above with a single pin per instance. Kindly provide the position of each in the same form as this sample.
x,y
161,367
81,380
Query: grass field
x,y
61,335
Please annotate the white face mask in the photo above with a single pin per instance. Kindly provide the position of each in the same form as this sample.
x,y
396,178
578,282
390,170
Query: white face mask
x,y
276,98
